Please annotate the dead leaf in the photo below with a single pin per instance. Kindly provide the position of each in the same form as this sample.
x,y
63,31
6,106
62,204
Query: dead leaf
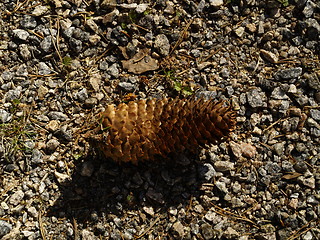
x,y
124,52
141,62
95,81
291,175
269,56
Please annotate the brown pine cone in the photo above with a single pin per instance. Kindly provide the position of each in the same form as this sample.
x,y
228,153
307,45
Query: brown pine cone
x,y
142,129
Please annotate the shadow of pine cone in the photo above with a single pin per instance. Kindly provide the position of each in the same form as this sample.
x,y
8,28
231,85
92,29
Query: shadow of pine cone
x,y
140,130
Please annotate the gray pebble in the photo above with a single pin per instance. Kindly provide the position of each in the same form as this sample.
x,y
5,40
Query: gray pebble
x,y
36,156
11,167
212,217
13,94
77,33
68,32
117,37
313,30
195,53
315,114
53,115
40,10
284,233
312,45
206,231
313,80
90,102
82,95
223,166
201,6
52,145
75,44
162,45
132,48
25,52
206,171
22,70
129,233
128,87
70,232
222,186
298,40
195,229
43,68
279,148
206,94
230,91
236,187
308,236
7,75
225,72
103,65
87,235
65,133
315,132
230,233
272,168
16,197
279,94
178,229
287,166
301,167
256,98
290,73
293,51
21,34
312,200
309,9
5,116
216,3
5,228
308,182
28,22
113,70
32,212
46,44
117,221
239,31
301,147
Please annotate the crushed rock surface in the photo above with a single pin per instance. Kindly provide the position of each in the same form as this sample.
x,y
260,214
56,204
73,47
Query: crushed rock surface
x,y
63,61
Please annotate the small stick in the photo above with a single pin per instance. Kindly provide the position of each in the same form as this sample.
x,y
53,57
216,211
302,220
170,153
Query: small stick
x,y
41,226
276,122
148,229
138,26
182,35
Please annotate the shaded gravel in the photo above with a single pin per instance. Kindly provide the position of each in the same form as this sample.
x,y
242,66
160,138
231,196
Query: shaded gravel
x,y
62,60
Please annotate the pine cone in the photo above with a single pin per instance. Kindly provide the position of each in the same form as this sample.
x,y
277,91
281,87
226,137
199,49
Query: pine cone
x,y
142,129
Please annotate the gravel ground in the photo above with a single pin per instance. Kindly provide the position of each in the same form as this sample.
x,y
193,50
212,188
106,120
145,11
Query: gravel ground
x,y
63,60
